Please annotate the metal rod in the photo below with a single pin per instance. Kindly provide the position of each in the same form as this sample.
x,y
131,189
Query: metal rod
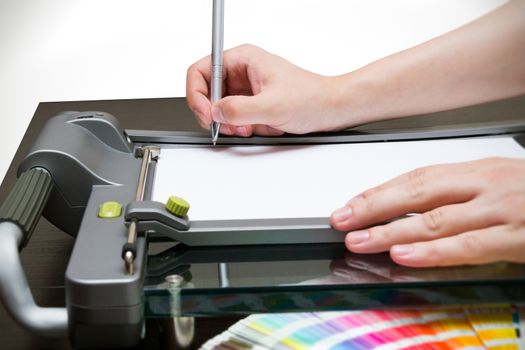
x,y
146,159
150,153
132,231
224,278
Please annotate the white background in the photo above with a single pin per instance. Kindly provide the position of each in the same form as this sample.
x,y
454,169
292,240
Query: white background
x,y
59,50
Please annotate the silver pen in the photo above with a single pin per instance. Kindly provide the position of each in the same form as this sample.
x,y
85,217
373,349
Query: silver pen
x,y
217,41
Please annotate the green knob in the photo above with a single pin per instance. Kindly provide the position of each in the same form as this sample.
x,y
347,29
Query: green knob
x,y
109,210
177,206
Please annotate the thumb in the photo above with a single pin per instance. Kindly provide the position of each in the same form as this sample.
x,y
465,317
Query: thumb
x,y
239,110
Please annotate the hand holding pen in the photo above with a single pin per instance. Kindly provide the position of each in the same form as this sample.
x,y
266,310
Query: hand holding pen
x,y
204,87
264,95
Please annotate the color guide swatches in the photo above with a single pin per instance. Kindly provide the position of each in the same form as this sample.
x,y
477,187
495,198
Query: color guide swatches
x,y
497,328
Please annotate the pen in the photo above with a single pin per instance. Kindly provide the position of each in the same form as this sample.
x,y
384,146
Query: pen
x,y
217,39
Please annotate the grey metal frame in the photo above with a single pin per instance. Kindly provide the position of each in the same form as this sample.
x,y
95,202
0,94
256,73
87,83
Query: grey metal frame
x,y
92,160
348,136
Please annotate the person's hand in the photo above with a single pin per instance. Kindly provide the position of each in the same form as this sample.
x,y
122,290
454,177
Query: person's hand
x,y
470,213
264,94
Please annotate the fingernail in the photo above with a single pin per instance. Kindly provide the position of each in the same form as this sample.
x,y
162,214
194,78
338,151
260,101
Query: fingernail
x,y
357,237
402,249
342,214
242,131
216,114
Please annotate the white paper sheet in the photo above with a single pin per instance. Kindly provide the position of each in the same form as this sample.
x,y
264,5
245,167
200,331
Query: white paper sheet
x,y
251,182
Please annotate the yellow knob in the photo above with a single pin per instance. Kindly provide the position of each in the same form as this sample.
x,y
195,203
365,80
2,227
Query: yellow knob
x,y
177,206
109,210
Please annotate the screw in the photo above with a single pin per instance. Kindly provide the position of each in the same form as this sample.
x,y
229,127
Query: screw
x,y
174,281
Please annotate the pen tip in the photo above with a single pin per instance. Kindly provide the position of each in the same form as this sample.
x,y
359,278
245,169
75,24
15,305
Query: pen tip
x,y
214,143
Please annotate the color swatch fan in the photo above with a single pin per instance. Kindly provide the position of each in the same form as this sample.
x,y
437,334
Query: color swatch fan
x,y
480,328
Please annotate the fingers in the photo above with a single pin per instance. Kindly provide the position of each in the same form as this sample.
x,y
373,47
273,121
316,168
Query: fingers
x,y
428,173
229,130
496,243
249,130
197,92
240,110
245,111
434,224
472,213
265,130
416,193
261,130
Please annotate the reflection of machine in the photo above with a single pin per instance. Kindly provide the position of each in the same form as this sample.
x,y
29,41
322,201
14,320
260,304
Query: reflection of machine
x,y
93,180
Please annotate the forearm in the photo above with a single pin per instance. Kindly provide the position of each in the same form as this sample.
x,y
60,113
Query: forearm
x,y
481,61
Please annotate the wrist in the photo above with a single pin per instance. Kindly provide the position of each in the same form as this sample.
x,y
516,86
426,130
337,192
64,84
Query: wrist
x,y
358,98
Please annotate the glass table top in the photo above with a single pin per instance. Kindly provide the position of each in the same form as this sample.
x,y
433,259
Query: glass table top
x,y
209,281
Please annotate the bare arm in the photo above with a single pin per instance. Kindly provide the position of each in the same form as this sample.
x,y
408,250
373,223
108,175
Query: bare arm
x,y
481,61
265,94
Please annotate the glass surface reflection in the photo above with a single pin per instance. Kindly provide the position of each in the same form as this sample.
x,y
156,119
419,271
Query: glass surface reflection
x,y
225,280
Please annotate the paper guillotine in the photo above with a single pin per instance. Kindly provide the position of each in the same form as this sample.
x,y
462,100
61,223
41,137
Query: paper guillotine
x,y
96,181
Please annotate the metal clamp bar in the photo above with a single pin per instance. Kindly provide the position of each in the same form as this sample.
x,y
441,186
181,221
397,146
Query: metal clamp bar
x,y
129,251
155,211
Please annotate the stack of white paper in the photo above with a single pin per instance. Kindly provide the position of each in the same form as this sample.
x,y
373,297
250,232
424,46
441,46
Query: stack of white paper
x,y
249,182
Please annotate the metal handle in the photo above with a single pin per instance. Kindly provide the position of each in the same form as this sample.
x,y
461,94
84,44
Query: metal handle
x,y
19,215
